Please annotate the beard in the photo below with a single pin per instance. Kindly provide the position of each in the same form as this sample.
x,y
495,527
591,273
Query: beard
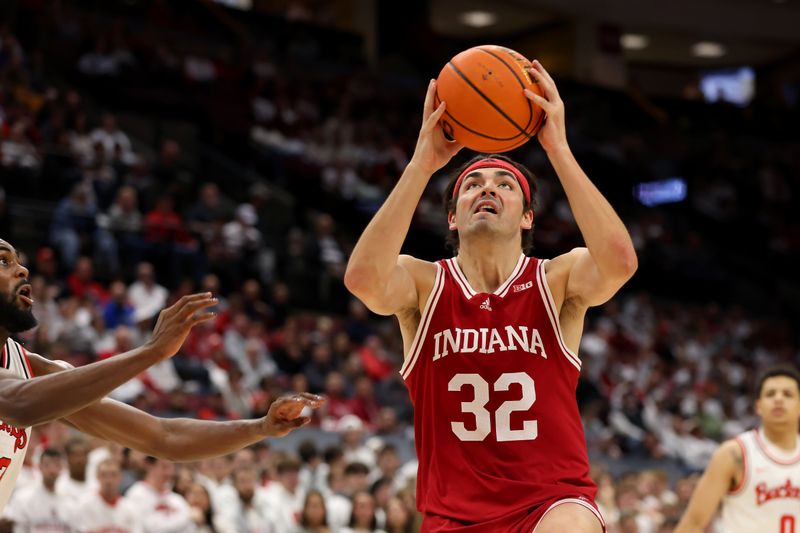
x,y
13,318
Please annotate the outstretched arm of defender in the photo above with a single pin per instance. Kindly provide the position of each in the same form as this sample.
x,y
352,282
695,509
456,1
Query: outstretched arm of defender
x,y
596,273
25,403
376,273
183,439
716,481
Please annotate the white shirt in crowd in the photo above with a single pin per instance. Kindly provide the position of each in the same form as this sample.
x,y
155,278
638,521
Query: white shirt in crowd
x,y
257,517
69,489
146,301
284,506
338,509
161,512
35,509
92,513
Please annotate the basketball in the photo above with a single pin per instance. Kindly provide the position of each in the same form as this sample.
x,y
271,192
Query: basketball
x,y
487,110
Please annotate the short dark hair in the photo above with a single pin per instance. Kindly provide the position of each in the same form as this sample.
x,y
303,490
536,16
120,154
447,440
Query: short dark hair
x,y
52,453
775,371
356,468
449,202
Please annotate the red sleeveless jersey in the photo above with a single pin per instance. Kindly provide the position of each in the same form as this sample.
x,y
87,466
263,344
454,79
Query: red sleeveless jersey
x,y
496,421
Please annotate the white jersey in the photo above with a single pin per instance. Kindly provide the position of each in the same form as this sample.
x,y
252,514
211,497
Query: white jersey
x,y
767,499
93,514
160,511
37,510
13,440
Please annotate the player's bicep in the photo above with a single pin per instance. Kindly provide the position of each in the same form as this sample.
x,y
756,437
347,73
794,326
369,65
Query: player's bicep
x,y
586,283
400,291
715,482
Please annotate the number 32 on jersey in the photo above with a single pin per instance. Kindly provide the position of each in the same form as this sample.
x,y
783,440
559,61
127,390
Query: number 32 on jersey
x,y
502,416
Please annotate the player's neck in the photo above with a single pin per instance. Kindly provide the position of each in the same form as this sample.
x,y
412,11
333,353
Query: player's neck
x,y
487,267
784,438
4,335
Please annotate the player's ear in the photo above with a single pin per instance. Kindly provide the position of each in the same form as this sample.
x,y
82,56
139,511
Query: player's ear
x,y
527,220
451,221
758,406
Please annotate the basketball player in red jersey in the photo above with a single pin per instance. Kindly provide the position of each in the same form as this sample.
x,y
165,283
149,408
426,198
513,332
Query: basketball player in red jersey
x,y
34,390
756,476
491,336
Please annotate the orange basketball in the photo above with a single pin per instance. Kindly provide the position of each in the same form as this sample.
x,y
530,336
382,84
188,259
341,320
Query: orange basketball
x,y
486,108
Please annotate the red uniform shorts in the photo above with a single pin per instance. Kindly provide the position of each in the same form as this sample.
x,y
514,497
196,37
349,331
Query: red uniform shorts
x,y
524,521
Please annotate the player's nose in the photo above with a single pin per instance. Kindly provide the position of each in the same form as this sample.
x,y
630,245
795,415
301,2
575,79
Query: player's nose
x,y
22,272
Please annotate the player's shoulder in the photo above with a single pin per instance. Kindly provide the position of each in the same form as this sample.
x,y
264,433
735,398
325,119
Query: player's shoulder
x,y
42,366
565,261
729,456
417,267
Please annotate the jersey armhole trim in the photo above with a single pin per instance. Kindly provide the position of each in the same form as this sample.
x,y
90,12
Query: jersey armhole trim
x,y
550,307
424,322
6,359
742,482
26,364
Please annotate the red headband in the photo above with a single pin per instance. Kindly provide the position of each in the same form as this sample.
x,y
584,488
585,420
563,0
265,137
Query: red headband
x,y
496,163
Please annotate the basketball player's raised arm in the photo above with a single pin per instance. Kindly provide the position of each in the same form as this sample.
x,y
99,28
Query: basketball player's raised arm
x,y
609,260
376,273
182,439
25,403
715,482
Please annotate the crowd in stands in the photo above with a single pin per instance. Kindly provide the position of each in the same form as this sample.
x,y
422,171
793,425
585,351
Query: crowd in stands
x,y
668,364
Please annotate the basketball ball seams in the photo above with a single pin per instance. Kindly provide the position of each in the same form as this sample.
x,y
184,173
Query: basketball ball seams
x,y
516,76
436,101
487,99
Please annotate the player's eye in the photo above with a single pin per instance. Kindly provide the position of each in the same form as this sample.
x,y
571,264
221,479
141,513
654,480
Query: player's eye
x,y
506,185
472,185
4,261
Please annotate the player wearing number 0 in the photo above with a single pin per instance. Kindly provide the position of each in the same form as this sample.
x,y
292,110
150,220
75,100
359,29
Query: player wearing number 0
x,y
756,476
491,335
34,390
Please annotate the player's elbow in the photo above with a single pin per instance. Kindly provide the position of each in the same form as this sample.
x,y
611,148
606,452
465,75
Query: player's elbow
x,y
361,283
625,259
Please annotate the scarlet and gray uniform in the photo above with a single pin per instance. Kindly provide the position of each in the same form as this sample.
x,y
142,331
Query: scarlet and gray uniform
x,y
767,499
13,440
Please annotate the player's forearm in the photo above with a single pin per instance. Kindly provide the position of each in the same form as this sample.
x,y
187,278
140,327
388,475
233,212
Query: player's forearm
x,y
603,231
376,252
54,396
191,440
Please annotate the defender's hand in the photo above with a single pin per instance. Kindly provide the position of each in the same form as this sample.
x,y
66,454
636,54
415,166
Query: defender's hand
x,y
175,322
286,413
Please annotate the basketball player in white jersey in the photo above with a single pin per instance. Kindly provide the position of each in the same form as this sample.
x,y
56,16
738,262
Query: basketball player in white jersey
x,y
34,390
756,475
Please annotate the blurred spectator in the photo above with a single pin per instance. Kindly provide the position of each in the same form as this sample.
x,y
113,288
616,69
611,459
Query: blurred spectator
x,y
363,518
75,228
118,312
249,511
39,507
285,496
152,498
72,484
106,509
202,512
313,518
145,294
111,139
